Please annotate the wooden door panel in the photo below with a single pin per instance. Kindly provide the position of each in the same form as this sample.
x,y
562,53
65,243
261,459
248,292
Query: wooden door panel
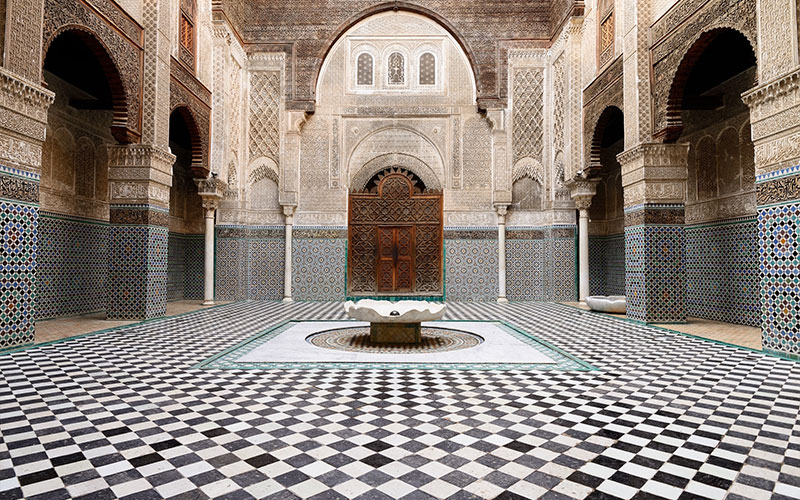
x,y
395,239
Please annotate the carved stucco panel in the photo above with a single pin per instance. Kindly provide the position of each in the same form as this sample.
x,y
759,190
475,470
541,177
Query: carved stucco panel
x,y
125,50
685,30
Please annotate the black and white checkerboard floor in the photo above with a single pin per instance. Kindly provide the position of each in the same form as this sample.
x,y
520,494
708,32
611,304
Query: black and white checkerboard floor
x,y
123,415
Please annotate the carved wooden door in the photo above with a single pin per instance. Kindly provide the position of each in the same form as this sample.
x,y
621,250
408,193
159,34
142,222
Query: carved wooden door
x,y
395,239
395,258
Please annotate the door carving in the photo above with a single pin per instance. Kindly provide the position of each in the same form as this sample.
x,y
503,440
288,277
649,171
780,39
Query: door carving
x,y
395,237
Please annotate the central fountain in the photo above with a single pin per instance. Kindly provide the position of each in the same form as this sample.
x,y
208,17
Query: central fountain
x,y
395,322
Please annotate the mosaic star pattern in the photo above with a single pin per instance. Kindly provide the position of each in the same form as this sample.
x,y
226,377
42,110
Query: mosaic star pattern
x,y
122,415
780,278
722,276
18,245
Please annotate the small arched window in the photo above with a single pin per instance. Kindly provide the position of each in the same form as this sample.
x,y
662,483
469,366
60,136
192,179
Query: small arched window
x,y
364,69
397,69
427,69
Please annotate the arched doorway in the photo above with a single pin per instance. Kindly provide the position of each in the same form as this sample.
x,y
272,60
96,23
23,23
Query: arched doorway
x,y
72,261
185,245
395,237
606,214
721,260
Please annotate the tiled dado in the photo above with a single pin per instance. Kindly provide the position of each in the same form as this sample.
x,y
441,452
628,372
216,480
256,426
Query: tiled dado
x,y
249,262
779,260
319,257
654,263
540,263
185,269
19,197
471,264
607,265
71,267
722,275
137,284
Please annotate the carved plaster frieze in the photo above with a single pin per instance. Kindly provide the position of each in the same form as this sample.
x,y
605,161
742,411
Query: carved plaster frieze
x,y
320,218
654,173
470,219
121,37
676,32
15,152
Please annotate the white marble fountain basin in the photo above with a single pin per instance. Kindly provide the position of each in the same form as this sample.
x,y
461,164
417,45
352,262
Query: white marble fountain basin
x,y
408,311
610,304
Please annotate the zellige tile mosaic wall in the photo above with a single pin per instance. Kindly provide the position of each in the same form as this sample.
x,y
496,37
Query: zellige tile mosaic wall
x,y
72,266
722,275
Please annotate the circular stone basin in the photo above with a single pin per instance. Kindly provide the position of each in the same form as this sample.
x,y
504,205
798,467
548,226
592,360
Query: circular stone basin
x,y
356,339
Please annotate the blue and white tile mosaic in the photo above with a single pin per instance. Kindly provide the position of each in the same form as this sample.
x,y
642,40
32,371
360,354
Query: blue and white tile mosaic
x,y
249,262
18,246
526,268
655,273
779,264
607,265
72,266
185,266
722,275
471,268
137,272
318,268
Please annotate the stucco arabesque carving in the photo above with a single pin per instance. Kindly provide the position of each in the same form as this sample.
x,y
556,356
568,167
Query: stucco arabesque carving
x,y
680,29
123,43
654,172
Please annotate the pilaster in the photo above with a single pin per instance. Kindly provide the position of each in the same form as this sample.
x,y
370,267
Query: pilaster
x,y
23,118
500,157
140,178
290,164
654,184
775,122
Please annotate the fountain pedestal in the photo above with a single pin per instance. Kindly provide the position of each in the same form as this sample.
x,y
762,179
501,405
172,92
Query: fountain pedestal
x,y
395,333
395,322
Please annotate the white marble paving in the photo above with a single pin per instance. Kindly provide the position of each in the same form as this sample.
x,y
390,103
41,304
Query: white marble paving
x,y
497,347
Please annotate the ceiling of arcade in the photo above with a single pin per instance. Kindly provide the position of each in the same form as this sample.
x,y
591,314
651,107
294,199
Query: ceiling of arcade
x,y
305,29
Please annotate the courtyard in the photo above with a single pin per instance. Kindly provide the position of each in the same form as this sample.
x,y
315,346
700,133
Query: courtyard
x,y
646,413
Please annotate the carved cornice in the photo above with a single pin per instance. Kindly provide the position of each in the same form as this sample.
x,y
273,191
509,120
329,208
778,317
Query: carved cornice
x,y
773,90
24,96
139,156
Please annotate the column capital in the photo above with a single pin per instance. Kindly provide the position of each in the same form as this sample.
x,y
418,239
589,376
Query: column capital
x,y
654,173
582,191
212,187
502,210
288,212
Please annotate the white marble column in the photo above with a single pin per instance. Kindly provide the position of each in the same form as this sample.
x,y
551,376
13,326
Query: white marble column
x,y
210,191
210,207
288,212
582,192
501,252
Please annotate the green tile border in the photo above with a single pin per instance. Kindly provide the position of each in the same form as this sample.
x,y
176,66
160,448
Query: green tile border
x,y
766,352
226,359
11,350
